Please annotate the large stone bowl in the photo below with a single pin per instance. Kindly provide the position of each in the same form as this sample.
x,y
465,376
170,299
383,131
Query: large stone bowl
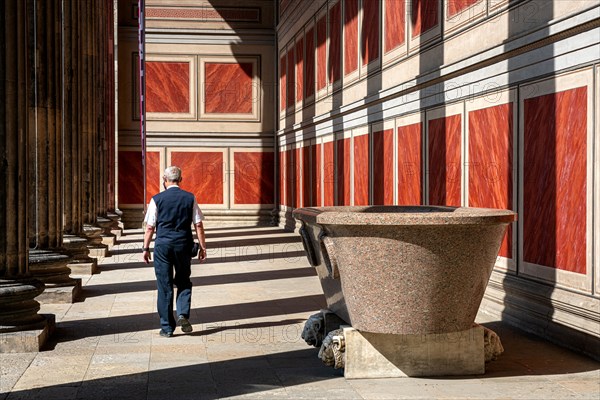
x,y
404,269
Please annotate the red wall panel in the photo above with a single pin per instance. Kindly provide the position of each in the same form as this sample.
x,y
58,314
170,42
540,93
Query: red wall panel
x,y
491,162
299,69
361,170
370,31
321,53
424,16
131,177
298,178
282,82
383,167
335,36
555,163
153,174
167,86
291,81
316,175
306,181
343,172
350,36
228,88
456,6
253,177
444,161
202,174
309,86
282,168
410,174
395,24
328,174
290,178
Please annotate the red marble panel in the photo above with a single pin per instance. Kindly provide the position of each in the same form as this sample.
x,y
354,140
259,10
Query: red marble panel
x,y
131,177
395,24
282,82
309,87
383,167
228,88
424,16
361,170
350,36
253,177
491,162
555,187
299,69
335,36
290,178
298,177
291,81
410,174
153,174
306,182
321,53
444,161
343,172
315,174
167,86
202,174
370,31
456,6
328,174
282,168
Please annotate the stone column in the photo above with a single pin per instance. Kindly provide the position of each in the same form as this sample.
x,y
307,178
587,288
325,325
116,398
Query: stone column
x,y
90,172
73,238
46,262
22,328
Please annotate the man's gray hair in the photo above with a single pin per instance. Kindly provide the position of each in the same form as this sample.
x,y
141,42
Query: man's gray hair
x,y
173,174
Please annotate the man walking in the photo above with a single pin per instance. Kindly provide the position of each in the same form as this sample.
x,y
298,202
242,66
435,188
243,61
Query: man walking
x,y
171,214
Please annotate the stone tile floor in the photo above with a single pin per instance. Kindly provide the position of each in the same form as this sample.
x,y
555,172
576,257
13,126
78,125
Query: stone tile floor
x,y
250,300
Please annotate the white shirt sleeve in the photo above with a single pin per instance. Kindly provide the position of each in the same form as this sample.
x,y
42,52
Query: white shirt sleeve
x,y
151,214
198,216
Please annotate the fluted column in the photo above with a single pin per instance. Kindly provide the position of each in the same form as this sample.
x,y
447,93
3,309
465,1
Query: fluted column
x,y
73,238
22,328
89,133
46,261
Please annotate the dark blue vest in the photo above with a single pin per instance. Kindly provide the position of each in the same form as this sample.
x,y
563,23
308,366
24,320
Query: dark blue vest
x,y
175,209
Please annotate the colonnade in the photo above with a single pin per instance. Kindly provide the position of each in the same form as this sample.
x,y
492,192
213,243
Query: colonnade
x,y
57,206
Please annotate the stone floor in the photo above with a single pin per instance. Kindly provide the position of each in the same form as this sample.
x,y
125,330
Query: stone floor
x,y
250,300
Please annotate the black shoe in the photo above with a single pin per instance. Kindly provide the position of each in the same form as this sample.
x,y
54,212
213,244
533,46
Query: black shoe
x,y
164,333
185,324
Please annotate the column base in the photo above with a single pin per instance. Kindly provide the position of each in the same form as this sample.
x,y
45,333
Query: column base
x,y
375,355
109,240
83,268
28,341
98,251
59,294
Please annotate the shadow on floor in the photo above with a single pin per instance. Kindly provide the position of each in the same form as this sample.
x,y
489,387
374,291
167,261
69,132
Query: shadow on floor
x,y
94,328
204,380
89,291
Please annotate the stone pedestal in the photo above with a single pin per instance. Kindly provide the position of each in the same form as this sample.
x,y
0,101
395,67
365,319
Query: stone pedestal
x,y
22,329
377,355
81,264
95,246
51,269
107,237
116,226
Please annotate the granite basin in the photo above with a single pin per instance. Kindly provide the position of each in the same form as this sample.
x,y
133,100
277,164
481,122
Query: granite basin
x,y
404,269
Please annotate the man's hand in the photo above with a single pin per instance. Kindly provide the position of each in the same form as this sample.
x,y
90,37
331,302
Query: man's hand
x,y
202,254
147,256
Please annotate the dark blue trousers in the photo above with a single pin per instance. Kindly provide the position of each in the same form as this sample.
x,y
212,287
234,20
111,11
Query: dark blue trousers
x,y
172,264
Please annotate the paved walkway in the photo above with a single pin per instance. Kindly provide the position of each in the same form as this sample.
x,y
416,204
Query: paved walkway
x,y
250,300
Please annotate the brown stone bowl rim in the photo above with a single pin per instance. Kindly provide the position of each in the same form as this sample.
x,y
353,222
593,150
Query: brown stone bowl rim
x,y
403,215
